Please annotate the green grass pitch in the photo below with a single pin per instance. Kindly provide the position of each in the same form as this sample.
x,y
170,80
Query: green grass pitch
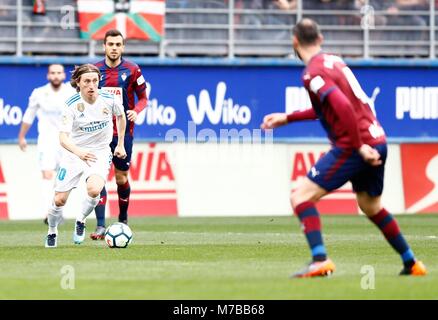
x,y
216,258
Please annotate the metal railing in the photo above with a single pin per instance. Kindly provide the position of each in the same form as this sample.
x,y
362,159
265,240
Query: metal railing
x,y
230,28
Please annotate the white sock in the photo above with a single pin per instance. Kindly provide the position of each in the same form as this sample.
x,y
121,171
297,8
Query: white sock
x,y
88,206
55,214
47,195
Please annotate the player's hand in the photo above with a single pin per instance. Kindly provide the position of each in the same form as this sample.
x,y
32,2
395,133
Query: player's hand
x,y
131,115
370,155
120,152
87,156
22,144
274,120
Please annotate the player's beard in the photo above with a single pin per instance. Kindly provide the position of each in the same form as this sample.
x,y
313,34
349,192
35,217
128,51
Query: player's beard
x,y
113,59
56,84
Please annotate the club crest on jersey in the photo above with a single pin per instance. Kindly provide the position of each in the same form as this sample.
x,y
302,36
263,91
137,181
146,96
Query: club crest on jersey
x,y
123,76
105,111
64,120
80,107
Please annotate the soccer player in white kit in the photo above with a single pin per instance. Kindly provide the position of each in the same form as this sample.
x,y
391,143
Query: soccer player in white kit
x,y
46,104
85,134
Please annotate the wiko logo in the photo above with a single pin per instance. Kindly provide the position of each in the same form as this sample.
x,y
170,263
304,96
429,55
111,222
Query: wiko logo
x,y
10,115
225,111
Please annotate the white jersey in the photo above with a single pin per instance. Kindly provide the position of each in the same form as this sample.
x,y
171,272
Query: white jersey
x,y
47,104
90,125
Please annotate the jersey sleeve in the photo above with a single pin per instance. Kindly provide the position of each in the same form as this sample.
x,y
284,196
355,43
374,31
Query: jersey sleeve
x,y
346,116
140,90
32,108
308,114
320,85
67,119
139,82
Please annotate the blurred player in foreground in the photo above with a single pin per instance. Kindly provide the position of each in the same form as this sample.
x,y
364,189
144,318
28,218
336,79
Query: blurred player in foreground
x,y
358,150
46,104
122,78
85,133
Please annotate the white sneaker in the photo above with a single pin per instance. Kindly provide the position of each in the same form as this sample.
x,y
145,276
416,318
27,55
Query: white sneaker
x,y
79,232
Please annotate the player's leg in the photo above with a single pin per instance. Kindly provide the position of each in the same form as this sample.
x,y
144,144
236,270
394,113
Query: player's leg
x,y
123,191
95,177
387,224
67,178
54,217
368,186
95,184
99,233
330,172
121,167
303,200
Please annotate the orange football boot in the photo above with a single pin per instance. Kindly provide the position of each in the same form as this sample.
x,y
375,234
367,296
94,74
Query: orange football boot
x,y
316,269
418,269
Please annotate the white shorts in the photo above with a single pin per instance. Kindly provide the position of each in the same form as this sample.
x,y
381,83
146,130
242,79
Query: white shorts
x,y
72,168
49,156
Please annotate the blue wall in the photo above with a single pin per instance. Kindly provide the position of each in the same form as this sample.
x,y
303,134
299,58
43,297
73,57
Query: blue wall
x,y
251,92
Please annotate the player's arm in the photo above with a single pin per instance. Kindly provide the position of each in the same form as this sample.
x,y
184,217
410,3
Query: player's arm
x,y
22,143
119,150
67,143
28,118
140,91
275,120
346,116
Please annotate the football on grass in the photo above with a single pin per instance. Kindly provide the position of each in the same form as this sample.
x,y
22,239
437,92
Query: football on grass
x,y
118,235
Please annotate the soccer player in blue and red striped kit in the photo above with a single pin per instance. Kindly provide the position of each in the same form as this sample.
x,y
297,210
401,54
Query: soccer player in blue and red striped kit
x,y
124,79
358,151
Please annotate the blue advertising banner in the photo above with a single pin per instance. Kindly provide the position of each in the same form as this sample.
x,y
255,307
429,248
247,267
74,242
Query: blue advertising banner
x,y
204,101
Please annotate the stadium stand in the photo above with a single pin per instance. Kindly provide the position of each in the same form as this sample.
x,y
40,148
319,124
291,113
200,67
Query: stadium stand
x,y
229,28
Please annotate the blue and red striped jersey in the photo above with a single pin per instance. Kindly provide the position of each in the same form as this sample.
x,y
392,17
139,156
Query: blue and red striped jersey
x,y
123,81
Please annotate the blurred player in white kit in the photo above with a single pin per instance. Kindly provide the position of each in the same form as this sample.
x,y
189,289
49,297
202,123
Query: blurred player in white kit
x,y
46,104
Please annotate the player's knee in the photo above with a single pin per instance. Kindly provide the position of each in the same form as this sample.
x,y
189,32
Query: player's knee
x,y
93,191
369,205
297,197
121,178
306,192
60,200
370,209
293,199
